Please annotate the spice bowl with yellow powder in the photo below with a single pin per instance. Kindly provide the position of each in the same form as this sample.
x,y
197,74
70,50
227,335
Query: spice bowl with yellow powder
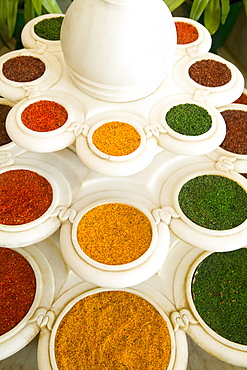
x,y
116,143
114,242
103,328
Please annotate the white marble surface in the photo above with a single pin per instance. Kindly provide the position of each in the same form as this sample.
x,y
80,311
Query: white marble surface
x,y
198,359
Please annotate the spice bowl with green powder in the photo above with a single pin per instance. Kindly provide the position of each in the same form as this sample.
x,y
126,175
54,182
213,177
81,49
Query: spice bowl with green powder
x,y
189,126
114,242
43,32
209,206
85,321
116,143
46,123
210,288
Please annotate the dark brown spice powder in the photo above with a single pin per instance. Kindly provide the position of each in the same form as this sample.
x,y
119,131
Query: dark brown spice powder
x,y
186,33
210,73
17,288
24,196
4,137
236,131
24,68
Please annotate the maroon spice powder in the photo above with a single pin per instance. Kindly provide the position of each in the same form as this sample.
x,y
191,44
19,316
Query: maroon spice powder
x,y
186,33
44,115
24,68
242,99
236,131
24,196
210,73
4,137
17,288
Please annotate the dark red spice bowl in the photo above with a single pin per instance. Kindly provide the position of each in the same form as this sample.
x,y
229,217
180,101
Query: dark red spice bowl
x,y
31,198
22,280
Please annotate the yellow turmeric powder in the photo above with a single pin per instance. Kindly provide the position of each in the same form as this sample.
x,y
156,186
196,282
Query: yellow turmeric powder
x,y
114,233
116,138
113,330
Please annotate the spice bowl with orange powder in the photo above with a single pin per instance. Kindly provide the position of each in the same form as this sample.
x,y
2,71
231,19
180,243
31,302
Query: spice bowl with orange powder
x,y
116,143
114,242
110,329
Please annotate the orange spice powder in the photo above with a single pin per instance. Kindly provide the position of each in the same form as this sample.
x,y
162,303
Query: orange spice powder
x,y
116,138
113,330
114,233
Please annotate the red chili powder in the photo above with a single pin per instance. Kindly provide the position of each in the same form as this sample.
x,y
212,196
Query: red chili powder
x,y
17,288
24,196
242,99
44,115
236,131
24,68
210,73
186,33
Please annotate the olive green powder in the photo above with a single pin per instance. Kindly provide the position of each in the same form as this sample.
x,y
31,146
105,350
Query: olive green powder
x,y
49,28
219,293
189,119
214,202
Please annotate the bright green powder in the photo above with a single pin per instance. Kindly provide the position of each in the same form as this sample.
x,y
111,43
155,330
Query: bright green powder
x,y
49,28
219,292
214,202
189,119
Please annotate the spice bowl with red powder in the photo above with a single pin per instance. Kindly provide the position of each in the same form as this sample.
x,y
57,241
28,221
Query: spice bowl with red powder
x,y
27,291
191,126
114,242
210,77
31,198
45,123
140,309
23,72
116,143
209,206
192,37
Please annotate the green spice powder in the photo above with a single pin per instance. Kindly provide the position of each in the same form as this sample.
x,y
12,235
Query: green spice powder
x,y
189,119
214,202
219,292
49,28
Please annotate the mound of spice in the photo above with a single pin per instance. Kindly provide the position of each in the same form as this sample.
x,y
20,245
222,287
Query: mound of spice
x,y
4,137
189,119
214,202
219,292
114,233
236,131
210,73
24,68
186,33
116,138
17,288
242,99
49,28
113,330
24,196
44,115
